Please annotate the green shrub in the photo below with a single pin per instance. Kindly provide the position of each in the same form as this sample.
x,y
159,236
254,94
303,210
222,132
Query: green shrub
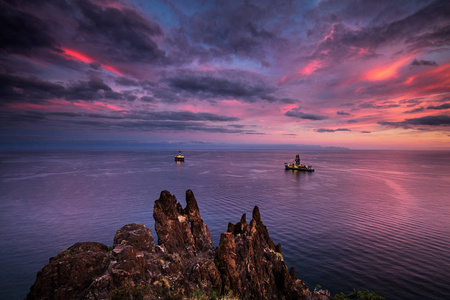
x,y
198,295
359,295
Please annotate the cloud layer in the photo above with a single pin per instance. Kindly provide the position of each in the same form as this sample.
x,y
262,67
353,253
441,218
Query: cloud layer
x,y
258,72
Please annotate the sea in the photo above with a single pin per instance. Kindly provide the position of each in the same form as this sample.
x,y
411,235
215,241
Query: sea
x,y
375,220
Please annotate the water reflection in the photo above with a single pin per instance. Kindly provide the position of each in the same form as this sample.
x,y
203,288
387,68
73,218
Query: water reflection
x,y
374,211
298,175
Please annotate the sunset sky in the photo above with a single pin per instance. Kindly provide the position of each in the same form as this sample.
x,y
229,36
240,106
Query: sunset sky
x,y
208,74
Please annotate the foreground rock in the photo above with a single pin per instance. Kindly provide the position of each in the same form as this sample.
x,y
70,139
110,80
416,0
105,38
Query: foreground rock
x,y
184,264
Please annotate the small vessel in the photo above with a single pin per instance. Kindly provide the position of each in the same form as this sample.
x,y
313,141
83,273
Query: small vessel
x,y
179,157
298,166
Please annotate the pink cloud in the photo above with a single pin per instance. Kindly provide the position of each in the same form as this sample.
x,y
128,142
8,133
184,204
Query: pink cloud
x,y
64,105
77,55
310,67
81,57
437,78
95,106
385,72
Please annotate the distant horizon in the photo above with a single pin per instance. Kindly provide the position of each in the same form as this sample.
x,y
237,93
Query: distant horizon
x,y
193,147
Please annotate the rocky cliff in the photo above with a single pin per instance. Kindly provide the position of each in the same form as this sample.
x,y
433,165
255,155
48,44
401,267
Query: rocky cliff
x,y
183,265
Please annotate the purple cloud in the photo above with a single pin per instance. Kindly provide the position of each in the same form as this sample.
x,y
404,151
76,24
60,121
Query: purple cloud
x,y
441,120
332,130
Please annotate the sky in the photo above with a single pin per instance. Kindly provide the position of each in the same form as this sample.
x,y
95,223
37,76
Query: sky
x,y
205,74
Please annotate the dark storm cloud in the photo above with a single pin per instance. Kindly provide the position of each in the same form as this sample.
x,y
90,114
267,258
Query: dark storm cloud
x,y
103,31
95,65
289,101
442,106
296,113
176,126
16,118
380,11
427,27
342,113
180,126
423,63
147,99
125,81
142,116
90,90
128,95
350,104
184,121
218,87
365,131
169,95
445,99
60,113
430,20
125,33
332,130
185,116
412,102
439,37
30,89
245,29
34,90
237,126
237,84
22,31
377,106
419,109
441,120
226,30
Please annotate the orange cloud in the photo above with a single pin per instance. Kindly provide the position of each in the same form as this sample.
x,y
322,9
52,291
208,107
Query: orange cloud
x,y
383,73
88,60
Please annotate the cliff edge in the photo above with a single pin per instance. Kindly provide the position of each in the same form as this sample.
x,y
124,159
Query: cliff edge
x,y
183,265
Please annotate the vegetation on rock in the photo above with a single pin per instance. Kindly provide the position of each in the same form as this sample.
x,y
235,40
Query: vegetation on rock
x,y
359,295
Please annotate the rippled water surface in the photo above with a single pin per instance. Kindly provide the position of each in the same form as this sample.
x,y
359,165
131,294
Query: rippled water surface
x,y
377,220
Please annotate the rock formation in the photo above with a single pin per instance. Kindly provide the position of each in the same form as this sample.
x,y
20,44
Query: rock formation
x,y
183,265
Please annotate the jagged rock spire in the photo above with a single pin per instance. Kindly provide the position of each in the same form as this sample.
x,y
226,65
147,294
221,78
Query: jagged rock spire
x,y
178,228
245,262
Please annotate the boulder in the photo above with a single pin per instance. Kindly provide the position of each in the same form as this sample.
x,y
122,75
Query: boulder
x,y
136,235
71,272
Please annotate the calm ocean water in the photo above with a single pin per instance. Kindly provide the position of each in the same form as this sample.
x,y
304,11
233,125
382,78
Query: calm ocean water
x,y
377,220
